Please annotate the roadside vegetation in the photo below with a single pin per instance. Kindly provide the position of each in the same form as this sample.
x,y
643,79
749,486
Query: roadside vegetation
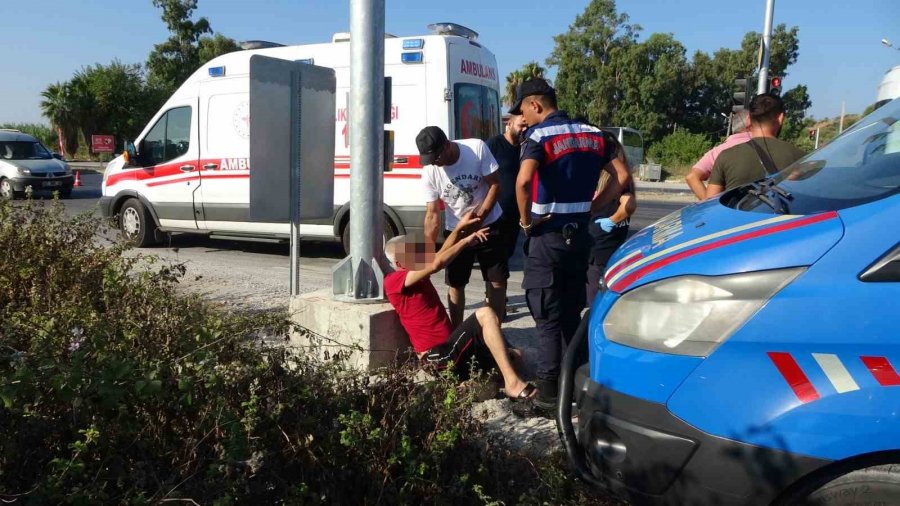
x,y
116,387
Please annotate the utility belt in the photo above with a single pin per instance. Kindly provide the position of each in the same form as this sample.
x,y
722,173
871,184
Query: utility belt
x,y
569,226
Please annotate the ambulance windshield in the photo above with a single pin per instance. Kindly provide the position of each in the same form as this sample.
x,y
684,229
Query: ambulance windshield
x,y
477,111
862,165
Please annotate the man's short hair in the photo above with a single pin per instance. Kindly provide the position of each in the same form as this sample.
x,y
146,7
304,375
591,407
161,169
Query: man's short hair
x,y
391,247
548,100
740,121
765,108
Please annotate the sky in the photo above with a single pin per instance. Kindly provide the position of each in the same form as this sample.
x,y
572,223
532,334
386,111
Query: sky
x,y
841,56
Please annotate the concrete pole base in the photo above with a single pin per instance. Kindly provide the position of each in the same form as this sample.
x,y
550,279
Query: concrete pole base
x,y
368,336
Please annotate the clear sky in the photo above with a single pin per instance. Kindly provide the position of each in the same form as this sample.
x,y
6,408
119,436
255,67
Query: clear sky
x,y
841,57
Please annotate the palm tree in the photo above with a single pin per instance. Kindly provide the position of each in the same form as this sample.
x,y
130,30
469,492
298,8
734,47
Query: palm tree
x,y
57,106
528,71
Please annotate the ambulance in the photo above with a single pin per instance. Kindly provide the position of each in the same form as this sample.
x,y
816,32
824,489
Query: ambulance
x,y
747,348
191,169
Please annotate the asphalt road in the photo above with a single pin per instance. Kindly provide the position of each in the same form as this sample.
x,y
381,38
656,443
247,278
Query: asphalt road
x,y
256,275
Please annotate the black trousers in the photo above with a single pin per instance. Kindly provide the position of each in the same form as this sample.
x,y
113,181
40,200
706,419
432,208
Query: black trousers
x,y
555,276
603,245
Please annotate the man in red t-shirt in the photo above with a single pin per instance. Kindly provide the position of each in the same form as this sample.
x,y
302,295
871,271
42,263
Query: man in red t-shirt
x,y
425,319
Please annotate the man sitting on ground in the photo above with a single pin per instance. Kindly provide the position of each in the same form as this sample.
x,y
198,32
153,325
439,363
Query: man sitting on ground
x,y
425,319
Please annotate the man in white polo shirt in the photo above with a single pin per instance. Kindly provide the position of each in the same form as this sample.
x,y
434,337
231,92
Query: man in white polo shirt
x,y
462,175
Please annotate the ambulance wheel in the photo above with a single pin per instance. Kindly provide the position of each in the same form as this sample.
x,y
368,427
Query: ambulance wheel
x,y
345,233
871,485
137,224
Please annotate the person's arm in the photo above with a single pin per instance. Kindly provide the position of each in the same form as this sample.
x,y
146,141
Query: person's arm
x,y
716,178
453,245
493,191
694,180
627,206
621,180
523,191
432,221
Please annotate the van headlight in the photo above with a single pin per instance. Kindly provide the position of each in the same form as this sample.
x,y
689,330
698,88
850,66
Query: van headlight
x,y
691,315
24,171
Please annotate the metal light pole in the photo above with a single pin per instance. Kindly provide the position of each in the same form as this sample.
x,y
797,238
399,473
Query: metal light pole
x,y
767,48
887,43
359,277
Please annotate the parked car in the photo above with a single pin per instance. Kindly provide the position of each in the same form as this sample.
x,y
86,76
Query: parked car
x,y
25,162
747,348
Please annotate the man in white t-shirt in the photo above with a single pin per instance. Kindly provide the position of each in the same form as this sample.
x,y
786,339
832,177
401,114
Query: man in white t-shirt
x,y
462,175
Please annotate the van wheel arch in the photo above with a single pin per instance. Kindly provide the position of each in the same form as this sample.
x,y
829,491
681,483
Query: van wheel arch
x,y
842,473
392,225
123,197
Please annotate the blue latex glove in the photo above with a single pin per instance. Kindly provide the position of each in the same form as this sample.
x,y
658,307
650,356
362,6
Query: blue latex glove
x,y
605,224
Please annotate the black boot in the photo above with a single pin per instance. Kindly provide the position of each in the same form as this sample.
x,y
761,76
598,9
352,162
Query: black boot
x,y
547,396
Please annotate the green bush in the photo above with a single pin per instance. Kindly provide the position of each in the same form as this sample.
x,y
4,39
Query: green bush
x,y
117,388
678,151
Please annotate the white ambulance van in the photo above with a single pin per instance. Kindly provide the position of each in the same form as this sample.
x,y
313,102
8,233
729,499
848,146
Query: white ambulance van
x,y
191,170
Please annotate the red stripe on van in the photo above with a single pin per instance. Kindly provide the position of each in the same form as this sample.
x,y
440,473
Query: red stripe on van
x,y
795,377
882,370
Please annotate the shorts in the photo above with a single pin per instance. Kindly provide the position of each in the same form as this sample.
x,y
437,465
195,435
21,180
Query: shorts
x,y
464,344
509,232
491,256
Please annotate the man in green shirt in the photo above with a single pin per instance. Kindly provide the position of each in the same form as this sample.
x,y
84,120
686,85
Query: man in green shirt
x,y
762,156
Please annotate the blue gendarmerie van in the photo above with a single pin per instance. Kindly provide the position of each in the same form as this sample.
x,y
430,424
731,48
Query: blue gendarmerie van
x,y
747,349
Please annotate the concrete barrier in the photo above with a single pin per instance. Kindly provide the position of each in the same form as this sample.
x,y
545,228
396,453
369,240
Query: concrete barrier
x,y
369,336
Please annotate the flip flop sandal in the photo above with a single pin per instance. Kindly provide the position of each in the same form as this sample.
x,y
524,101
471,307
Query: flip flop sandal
x,y
527,393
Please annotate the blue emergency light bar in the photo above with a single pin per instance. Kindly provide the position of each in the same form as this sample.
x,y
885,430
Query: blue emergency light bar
x,y
216,71
411,57
413,43
308,61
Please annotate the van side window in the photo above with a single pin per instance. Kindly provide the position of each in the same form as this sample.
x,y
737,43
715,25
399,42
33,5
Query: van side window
x,y
169,138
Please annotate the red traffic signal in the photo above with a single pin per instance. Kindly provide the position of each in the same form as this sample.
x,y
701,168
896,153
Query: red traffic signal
x,y
775,85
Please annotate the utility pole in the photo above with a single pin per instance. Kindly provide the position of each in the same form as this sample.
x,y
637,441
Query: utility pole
x,y
767,48
843,107
359,277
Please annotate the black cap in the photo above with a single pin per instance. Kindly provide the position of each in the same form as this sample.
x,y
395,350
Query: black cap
x,y
531,87
430,141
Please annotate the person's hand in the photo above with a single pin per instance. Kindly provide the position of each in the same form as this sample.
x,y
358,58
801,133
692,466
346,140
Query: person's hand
x,y
530,227
605,224
478,237
468,220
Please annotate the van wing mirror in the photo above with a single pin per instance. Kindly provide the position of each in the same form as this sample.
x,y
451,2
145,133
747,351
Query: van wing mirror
x,y
58,156
130,153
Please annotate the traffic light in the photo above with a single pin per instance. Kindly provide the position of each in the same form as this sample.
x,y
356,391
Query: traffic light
x,y
742,94
775,85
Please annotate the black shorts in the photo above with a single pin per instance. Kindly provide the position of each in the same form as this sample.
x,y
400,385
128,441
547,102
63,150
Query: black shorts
x,y
491,256
464,344
509,231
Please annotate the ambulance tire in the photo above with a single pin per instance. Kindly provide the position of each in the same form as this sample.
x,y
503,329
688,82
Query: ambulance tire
x,y
136,224
345,233
875,485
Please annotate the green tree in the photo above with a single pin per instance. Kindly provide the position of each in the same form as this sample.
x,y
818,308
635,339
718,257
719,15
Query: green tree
x,y
711,78
173,61
514,79
588,79
796,103
217,45
121,103
58,105
677,151
652,91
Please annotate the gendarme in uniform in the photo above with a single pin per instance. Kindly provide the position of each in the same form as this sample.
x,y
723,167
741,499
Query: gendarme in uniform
x,y
569,157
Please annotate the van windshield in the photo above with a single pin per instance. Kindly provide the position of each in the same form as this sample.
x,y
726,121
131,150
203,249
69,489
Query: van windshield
x,y
476,111
862,165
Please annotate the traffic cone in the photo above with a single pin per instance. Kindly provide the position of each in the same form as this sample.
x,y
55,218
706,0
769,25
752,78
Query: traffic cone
x,y
77,179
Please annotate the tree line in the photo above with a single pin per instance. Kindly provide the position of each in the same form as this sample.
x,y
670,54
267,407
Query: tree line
x,y
606,72
119,98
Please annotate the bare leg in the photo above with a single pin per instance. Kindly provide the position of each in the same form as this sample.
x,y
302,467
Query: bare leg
x,y
490,330
496,292
456,304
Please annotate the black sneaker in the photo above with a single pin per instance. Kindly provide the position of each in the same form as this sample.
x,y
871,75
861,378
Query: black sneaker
x,y
547,396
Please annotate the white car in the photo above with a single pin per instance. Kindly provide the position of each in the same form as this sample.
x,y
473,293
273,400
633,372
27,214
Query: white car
x,y
25,162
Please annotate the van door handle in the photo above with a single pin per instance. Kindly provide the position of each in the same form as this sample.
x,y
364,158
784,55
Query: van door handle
x,y
211,166
186,168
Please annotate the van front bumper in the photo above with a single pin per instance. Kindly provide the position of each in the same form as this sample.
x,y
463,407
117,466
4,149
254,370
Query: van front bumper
x,y
641,451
